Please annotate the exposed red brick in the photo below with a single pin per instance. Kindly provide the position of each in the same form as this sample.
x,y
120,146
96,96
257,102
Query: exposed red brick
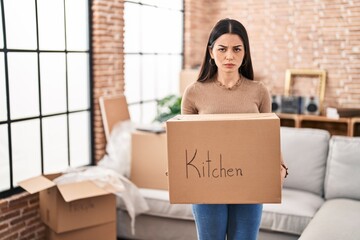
x,y
9,215
40,235
30,236
13,236
29,230
307,35
29,215
3,226
108,58
3,204
34,200
33,208
16,225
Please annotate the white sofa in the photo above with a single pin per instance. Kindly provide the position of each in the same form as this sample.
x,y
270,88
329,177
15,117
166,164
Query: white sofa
x,y
321,196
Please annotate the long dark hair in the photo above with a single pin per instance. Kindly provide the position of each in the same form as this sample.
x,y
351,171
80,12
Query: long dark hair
x,y
224,26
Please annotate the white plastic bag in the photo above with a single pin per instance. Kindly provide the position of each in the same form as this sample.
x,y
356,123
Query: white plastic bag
x,y
118,149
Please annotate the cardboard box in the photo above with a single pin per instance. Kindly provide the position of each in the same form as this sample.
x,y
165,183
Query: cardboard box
x,y
114,109
71,206
149,160
105,231
224,158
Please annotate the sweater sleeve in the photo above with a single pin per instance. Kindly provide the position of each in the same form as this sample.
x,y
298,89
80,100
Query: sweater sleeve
x,y
187,102
265,104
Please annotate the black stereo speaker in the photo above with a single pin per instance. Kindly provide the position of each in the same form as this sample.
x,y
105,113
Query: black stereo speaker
x,y
311,106
276,103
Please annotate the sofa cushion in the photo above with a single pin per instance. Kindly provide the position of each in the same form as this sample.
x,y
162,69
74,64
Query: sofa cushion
x,y
336,219
159,205
343,163
293,214
305,153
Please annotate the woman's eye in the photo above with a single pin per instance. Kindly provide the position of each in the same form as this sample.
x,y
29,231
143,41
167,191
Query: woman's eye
x,y
237,49
222,49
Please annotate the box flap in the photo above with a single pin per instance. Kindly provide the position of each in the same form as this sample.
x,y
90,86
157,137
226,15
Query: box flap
x,y
36,184
52,176
114,109
80,190
223,117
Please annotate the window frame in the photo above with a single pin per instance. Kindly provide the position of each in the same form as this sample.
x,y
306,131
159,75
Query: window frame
x,y
139,104
14,190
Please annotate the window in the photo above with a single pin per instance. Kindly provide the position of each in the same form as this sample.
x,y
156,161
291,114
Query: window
x,y
45,108
153,44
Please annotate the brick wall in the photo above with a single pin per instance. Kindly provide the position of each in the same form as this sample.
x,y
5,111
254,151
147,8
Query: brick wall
x,y
289,34
20,218
108,60
197,17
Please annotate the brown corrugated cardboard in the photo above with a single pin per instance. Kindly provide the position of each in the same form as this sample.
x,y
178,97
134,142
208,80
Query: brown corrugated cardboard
x,y
36,184
80,190
149,160
224,158
114,109
105,231
71,206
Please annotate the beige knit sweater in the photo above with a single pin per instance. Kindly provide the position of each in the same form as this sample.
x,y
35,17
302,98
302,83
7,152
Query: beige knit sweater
x,y
211,97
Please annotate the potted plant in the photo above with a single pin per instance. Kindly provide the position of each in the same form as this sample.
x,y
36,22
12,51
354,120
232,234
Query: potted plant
x,y
168,107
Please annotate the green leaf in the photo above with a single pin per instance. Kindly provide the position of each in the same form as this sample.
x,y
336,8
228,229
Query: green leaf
x,y
168,107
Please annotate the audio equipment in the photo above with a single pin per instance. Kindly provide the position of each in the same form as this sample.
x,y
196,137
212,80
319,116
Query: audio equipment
x,y
295,104
276,103
311,105
291,104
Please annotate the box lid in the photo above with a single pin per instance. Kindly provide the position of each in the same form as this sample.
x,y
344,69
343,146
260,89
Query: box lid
x,y
223,117
36,184
80,190
69,191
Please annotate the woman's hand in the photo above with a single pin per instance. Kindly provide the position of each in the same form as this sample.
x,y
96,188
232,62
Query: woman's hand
x,y
284,173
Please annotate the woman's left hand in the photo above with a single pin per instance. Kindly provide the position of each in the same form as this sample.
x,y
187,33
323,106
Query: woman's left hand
x,y
284,173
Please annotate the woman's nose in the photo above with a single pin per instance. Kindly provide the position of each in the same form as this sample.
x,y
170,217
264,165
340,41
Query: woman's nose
x,y
229,55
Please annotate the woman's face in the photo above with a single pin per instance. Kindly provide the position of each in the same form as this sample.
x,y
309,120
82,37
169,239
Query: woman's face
x,y
228,52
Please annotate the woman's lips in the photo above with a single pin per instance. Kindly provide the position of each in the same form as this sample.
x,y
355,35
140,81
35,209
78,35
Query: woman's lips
x,y
229,65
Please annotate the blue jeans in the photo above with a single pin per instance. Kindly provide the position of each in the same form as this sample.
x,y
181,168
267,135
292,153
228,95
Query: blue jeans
x,y
236,221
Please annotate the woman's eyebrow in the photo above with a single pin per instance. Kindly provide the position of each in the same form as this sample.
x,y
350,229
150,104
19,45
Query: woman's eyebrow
x,y
220,45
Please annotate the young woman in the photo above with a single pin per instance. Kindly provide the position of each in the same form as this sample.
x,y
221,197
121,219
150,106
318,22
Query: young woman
x,y
225,85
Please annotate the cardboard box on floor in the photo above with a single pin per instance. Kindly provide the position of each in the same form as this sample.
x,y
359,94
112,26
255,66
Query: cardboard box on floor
x,y
148,153
71,206
149,160
106,231
224,158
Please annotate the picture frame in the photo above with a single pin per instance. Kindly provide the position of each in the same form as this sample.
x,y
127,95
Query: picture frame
x,y
306,72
